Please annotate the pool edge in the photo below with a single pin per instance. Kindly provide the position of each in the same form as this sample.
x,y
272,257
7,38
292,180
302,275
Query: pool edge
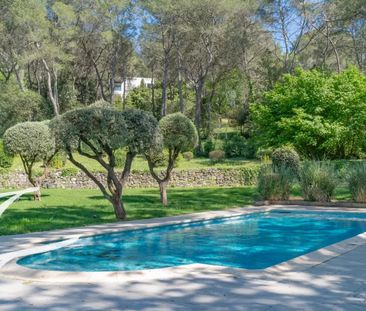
x,y
10,269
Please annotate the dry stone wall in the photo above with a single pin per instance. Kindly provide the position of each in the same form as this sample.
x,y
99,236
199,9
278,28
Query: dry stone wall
x,y
142,179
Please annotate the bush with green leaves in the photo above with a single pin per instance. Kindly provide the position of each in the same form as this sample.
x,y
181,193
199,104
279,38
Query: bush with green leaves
x,y
321,114
263,153
217,156
19,106
318,181
32,142
357,182
188,155
208,146
6,159
235,146
287,157
274,183
58,161
69,172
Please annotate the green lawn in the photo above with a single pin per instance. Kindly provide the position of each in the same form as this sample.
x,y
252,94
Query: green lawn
x,y
140,164
72,208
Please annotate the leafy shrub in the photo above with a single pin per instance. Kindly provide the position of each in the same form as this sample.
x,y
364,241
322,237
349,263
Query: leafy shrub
x,y
318,181
58,161
357,183
208,146
311,110
188,156
70,171
120,157
235,146
263,153
216,156
250,174
274,184
6,160
286,157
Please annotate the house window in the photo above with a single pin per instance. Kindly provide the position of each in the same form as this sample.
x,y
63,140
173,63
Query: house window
x,y
118,87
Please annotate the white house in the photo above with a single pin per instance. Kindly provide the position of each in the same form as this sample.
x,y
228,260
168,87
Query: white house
x,y
120,88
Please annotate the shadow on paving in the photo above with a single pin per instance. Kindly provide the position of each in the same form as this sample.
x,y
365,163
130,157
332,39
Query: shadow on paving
x,y
336,285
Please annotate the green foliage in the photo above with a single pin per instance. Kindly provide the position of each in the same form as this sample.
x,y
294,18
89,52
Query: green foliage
x,y
139,98
69,172
58,161
120,157
238,146
6,160
68,97
318,181
264,153
161,159
17,106
188,155
274,184
178,132
286,157
208,146
357,183
320,115
101,104
32,141
142,130
250,174
216,156
100,126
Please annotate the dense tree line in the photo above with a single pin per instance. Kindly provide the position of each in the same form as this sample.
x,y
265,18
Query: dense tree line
x,y
209,59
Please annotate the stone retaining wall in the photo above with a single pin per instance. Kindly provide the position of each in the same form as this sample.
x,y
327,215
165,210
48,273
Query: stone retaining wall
x,y
141,179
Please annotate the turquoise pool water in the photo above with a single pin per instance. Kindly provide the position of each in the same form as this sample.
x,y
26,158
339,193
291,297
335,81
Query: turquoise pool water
x,y
254,241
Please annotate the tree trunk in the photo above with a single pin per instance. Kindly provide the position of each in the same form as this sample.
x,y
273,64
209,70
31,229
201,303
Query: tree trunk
x,y
164,95
19,78
198,111
198,108
37,195
124,94
119,209
153,91
163,193
51,94
180,91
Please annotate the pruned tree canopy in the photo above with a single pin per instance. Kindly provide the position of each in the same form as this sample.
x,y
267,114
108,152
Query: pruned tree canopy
x,y
97,132
33,142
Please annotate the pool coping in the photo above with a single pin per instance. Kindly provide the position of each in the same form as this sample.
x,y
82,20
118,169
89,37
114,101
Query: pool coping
x,y
10,269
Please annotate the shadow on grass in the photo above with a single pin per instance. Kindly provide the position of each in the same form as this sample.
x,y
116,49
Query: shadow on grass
x,y
72,208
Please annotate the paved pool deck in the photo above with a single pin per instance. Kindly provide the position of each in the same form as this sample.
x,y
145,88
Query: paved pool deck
x,y
333,278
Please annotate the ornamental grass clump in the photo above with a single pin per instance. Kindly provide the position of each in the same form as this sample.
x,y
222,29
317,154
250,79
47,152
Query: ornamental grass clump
x,y
357,183
274,183
318,181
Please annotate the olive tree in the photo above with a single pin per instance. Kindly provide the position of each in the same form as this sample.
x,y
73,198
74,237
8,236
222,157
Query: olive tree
x,y
97,133
177,134
33,142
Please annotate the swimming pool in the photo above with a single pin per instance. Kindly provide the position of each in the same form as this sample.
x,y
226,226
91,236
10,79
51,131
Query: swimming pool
x,y
252,241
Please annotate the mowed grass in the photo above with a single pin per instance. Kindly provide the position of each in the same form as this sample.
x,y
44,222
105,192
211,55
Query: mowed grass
x,y
61,208
140,163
